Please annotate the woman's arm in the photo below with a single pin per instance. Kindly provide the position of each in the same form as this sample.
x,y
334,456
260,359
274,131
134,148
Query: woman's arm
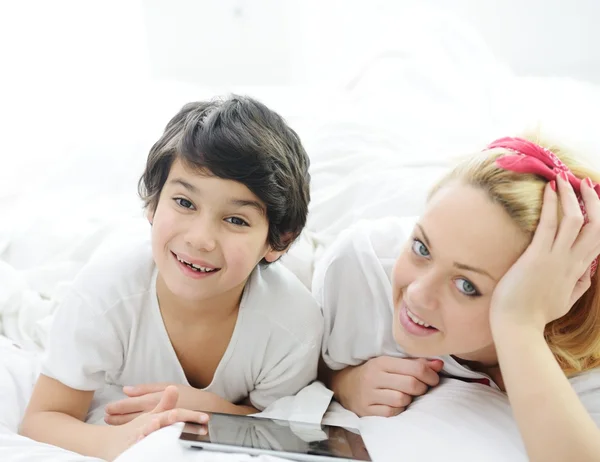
x,y
553,423
542,286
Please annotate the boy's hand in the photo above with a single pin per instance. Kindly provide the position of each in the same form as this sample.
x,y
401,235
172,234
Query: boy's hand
x,y
385,386
145,398
162,415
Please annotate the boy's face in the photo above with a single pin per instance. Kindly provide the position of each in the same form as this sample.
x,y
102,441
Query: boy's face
x,y
208,234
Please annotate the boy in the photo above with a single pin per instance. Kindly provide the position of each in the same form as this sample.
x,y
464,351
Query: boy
x,y
202,304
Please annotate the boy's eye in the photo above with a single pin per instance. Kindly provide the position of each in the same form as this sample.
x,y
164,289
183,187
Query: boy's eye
x,y
419,248
236,221
466,287
184,203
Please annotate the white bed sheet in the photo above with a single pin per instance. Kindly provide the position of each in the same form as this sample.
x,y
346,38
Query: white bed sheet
x,y
375,151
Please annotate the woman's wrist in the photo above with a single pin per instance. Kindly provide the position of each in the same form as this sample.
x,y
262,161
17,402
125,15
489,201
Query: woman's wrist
x,y
505,323
516,345
338,379
508,332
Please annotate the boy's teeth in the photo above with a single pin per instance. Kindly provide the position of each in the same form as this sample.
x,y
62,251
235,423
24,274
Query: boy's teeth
x,y
416,320
202,269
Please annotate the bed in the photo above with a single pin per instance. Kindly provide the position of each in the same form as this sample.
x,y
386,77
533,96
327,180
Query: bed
x,y
377,142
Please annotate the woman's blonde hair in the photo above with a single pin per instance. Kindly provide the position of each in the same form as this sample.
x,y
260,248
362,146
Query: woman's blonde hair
x,y
574,339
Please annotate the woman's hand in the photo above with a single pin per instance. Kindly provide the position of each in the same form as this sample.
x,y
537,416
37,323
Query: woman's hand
x,y
385,386
554,271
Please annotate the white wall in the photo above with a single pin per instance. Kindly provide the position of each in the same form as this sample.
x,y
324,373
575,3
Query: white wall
x,y
58,45
539,37
311,41
219,42
65,65
76,95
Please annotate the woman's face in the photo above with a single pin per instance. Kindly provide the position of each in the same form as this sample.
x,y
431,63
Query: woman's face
x,y
444,279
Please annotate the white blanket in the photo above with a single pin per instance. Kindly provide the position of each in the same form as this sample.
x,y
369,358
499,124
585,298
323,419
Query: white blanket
x,y
469,421
456,418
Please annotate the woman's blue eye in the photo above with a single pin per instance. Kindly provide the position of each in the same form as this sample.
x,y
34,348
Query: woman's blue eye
x,y
419,248
184,203
236,221
466,287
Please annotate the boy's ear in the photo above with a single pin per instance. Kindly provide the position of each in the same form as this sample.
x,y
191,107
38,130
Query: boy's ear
x,y
150,215
274,255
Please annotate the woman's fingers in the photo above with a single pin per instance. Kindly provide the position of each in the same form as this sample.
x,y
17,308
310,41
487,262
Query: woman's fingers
x,y
572,220
587,244
381,410
392,398
545,234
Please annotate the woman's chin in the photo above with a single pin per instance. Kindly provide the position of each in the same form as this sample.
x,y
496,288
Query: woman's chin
x,y
415,346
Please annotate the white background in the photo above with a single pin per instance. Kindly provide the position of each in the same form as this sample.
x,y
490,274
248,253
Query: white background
x,y
75,74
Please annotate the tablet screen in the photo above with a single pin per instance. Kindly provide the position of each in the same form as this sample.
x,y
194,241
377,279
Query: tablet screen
x,y
277,435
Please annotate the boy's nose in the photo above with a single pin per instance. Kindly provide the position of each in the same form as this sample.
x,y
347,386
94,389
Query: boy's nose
x,y
202,236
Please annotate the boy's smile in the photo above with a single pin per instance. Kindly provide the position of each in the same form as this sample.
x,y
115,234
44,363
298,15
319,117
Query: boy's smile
x,y
195,268
195,265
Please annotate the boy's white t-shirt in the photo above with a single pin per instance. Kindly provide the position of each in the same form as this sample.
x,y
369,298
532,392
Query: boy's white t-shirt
x,y
352,284
108,332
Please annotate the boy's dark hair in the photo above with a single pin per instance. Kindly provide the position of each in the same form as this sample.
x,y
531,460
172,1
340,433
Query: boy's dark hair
x,y
240,139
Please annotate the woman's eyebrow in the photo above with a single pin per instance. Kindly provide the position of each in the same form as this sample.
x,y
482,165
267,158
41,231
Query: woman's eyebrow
x,y
472,268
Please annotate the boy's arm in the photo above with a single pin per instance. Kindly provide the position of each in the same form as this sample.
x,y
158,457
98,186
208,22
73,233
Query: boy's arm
x,y
143,398
55,415
210,402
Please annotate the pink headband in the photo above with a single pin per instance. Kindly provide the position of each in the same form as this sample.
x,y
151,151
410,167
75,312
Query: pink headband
x,y
532,158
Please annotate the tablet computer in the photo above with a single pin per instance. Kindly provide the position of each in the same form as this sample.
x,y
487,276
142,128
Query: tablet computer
x,y
280,438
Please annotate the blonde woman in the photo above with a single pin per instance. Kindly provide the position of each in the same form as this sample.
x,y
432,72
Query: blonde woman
x,y
497,284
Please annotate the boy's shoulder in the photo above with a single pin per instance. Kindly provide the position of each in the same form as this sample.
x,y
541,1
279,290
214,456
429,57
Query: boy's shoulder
x,y
275,294
122,266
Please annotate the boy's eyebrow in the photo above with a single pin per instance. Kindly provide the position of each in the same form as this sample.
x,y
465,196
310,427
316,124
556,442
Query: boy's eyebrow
x,y
456,264
236,202
246,203
190,187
